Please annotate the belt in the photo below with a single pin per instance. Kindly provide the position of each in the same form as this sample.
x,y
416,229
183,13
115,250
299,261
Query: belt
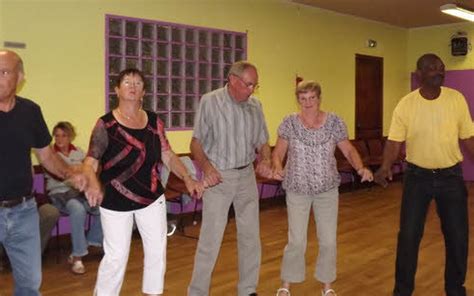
x,y
241,167
10,203
433,171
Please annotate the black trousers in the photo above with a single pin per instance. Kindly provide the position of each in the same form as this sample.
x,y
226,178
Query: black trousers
x,y
447,188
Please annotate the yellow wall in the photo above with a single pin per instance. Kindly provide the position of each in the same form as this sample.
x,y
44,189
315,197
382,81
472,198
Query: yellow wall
x,y
64,57
437,40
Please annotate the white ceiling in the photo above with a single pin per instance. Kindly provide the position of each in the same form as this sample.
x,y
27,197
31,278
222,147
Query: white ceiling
x,y
400,13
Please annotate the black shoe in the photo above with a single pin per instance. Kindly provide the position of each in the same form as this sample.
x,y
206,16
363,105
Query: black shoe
x,y
253,294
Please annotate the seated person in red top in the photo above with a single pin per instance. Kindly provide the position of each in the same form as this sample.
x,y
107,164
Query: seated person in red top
x,y
72,202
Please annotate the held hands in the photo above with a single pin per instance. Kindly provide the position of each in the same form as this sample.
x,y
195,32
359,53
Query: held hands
x,y
382,175
94,195
264,168
78,180
75,177
365,174
93,192
211,176
278,173
194,187
83,181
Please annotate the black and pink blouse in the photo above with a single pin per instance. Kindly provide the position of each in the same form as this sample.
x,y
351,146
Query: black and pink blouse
x,y
129,160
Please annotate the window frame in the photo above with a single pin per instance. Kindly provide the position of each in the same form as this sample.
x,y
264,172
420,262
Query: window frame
x,y
182,62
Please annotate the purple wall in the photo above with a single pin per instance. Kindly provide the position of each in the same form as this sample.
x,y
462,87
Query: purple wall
x,y
460,80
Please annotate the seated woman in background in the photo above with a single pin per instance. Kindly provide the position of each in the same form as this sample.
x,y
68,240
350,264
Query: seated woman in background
x,y
72,202
311,180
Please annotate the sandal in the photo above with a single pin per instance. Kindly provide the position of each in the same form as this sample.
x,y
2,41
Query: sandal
x,y
328,292
284,290
77,266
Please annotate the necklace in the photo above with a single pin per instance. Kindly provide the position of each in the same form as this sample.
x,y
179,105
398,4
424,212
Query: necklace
x,y
126,116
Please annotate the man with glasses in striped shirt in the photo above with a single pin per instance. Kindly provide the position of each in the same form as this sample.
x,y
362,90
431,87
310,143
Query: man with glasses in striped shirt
x,y
229,131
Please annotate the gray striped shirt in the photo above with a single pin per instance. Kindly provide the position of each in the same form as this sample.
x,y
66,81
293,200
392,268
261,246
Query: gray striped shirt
x,y
228,131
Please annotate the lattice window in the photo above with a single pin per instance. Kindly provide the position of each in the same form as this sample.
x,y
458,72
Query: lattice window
x,y
180,63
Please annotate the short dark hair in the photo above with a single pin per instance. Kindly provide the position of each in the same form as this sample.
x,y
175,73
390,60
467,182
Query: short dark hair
x,y
129,71
424,59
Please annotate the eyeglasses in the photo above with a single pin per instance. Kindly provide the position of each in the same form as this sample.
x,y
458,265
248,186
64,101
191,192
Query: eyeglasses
x,y
250,85
307,99
130,83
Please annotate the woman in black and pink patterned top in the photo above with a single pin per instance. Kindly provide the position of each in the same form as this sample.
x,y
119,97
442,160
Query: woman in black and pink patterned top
x,y
128,144
311,180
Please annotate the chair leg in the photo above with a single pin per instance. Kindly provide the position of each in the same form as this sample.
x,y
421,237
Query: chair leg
x,y
195,211
353,181
179,222
276,190
58,247
262,186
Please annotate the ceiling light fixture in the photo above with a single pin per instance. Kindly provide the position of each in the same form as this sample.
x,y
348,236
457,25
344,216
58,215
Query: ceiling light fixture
x,y
454,10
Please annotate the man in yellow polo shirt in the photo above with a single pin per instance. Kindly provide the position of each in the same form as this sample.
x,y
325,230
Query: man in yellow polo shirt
x,y
430,120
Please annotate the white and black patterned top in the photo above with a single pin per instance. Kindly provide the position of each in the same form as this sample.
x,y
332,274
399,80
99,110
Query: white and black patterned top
x,y
311,166
229,131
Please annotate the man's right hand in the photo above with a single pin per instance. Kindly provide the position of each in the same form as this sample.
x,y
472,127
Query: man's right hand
x,y
390,154
77,179
211,176
381,176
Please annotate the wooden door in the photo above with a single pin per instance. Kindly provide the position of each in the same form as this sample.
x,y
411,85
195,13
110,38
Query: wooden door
x,y
369,97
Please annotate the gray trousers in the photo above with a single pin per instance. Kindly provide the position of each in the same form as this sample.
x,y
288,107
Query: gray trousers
x,y
325,209
48,216
239,188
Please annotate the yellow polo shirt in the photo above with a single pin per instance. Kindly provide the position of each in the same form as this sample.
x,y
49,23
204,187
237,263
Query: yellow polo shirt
x,y
432,128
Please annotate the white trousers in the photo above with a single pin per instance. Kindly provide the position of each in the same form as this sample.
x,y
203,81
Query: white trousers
x,y
117,227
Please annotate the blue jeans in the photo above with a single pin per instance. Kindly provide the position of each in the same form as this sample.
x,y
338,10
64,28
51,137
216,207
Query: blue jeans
x,y
447,188
19,234
77,209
